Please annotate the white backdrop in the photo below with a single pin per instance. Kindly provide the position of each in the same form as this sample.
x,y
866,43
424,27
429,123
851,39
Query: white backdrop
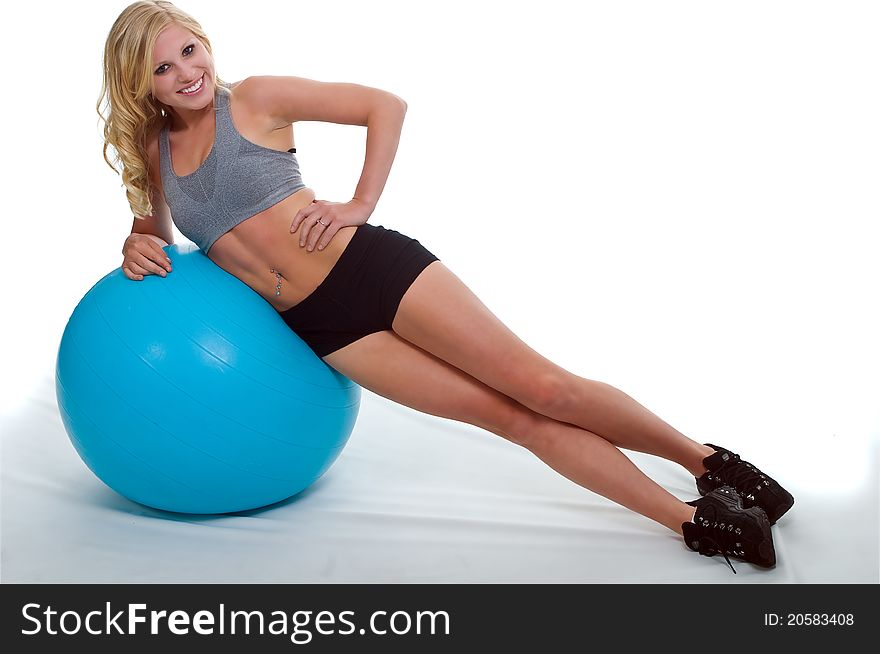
x,y
677,198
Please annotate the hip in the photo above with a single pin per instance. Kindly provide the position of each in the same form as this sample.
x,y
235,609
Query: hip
x,y
367,253
361,293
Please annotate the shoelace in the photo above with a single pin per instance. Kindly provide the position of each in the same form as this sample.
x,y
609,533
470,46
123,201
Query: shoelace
x,y
721,541
716,549
742,475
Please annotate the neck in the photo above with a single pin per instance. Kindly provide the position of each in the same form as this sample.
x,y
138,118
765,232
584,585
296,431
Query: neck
x,y
191,120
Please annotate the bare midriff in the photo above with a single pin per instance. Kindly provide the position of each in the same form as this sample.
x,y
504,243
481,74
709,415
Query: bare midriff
x,y
257,248
254,248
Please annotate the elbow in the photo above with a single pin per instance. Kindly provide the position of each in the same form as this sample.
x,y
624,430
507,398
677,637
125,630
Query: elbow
x,y
388,105
397,100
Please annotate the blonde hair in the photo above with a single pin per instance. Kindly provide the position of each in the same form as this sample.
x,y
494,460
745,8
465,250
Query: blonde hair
x,y
133,113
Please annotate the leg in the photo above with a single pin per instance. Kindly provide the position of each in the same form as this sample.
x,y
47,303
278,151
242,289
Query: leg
x,y
404,373
441,315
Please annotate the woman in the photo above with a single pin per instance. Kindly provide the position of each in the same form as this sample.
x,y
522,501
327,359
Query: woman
x,y
373,303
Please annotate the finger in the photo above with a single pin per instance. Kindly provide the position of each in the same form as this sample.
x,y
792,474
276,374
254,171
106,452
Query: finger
x,y
149,265
317,230
297,220
160,257
329,233
309,225
300,216
137,270
131,275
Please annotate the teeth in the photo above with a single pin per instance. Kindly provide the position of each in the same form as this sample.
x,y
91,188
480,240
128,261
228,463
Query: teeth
x,y
194,87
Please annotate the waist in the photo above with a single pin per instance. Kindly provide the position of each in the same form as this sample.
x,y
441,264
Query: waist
x,y
263,243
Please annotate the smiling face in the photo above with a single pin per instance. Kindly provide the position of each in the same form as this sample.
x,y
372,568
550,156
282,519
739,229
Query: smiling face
x,y
180,60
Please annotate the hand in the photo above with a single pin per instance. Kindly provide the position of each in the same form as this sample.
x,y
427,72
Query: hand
x,y
143,256
333,216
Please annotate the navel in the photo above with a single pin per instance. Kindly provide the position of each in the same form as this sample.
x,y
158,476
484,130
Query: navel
x,y
277,281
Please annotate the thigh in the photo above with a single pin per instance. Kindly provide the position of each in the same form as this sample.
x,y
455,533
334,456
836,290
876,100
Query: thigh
x,y
388,365
441,315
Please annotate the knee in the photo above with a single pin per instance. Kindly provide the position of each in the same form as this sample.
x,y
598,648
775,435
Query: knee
x,y
555,395
513,421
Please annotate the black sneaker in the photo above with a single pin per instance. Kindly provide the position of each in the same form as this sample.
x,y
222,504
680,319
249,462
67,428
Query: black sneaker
x,y
724,468
723,526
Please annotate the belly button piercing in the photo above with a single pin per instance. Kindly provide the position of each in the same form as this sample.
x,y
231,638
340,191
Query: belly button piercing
x,y
278,278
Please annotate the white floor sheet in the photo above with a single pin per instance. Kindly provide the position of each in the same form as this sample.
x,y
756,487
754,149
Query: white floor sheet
x,y
412,498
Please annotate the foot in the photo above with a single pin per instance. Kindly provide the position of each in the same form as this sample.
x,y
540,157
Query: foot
x,y
721,525
724,468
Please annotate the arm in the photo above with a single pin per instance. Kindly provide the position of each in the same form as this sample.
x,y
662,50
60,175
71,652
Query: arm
x,y
291,99
139,256
157,226
384,124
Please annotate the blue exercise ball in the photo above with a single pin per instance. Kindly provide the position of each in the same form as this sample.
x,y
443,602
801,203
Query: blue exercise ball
x,y
189,393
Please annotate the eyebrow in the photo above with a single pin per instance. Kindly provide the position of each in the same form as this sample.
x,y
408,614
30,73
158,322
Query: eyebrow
x,y
185,43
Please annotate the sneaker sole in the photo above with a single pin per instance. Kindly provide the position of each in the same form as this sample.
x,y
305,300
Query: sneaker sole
x,y
765,547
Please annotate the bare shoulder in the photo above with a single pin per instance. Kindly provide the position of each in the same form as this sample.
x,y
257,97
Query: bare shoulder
x,y
250,94
242,92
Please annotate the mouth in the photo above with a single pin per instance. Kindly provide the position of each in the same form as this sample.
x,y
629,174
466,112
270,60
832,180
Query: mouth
x,y
194,89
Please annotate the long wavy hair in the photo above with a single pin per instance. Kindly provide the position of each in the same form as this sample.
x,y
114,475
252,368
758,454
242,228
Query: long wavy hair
x,y
133,114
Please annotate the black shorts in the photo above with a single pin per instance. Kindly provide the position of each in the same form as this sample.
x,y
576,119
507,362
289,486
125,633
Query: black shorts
x,y
361,293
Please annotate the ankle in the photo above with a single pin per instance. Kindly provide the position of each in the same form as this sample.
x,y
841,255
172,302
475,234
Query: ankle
x,y
687,515
695,464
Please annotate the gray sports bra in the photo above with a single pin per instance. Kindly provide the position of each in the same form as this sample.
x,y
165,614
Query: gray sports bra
x,y
238,180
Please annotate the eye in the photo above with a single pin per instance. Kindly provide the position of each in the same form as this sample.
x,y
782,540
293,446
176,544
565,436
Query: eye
x,y
159,70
